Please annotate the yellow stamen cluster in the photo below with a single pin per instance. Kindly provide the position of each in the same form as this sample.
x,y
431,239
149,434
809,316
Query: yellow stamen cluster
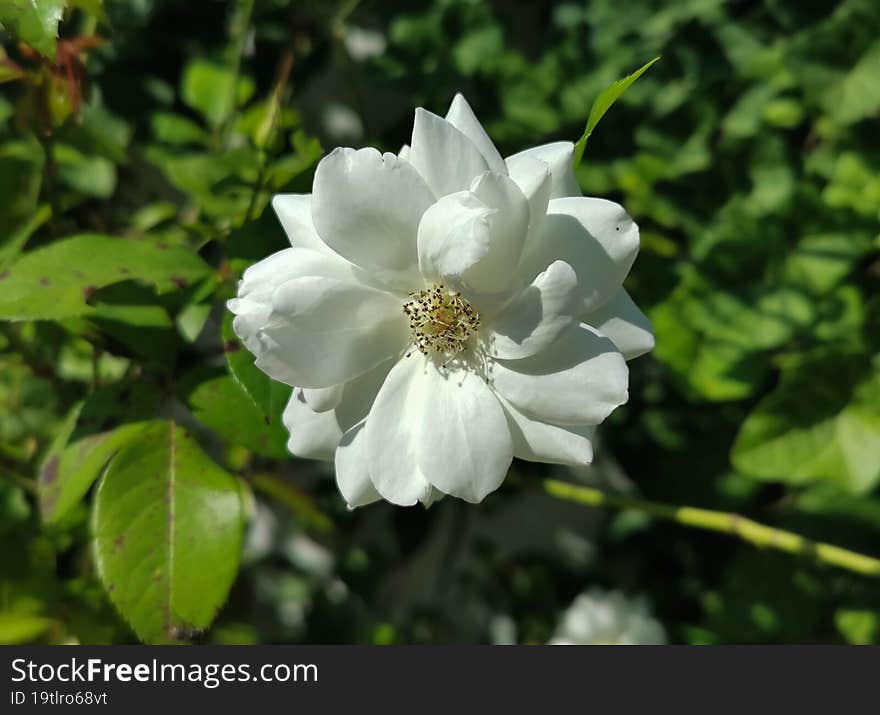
x,y
440,320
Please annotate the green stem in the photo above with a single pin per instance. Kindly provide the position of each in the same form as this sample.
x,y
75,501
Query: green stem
x,y
238,31
724,522
50,171
267,130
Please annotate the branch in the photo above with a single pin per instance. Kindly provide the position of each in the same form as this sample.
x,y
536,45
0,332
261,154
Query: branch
x,y
724,522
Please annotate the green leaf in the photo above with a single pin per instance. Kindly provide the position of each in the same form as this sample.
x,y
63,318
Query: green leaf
x,y
784,112
177,129
66,478
858,627
191,320
477,49
832,505
723,372
267,394
603,103
86,443
18,628
758,320
56,281
221,404
773,182
822,424
34,22
821,261
842,316
80,452
853,184
145,330
744,119
168,525
151,215
99,131
212,90
858,96
88,175
715,369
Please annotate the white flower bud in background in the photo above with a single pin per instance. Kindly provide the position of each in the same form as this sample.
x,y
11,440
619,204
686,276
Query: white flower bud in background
x,y
341,123
608,618
363,44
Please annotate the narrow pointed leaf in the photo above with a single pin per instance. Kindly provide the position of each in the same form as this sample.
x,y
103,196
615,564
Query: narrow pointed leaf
x,y
603,103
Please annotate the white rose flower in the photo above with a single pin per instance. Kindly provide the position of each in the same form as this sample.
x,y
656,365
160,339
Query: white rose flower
x,y
444,310
608,618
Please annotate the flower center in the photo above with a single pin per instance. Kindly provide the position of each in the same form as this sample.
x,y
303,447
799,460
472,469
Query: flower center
x,y
440,320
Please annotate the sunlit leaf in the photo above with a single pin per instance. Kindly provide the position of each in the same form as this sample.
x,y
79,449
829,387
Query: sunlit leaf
x,y
214,90
221,404
858,96
57,281
177,129
88,175
603,103
34,22
168,525
822,424
18,628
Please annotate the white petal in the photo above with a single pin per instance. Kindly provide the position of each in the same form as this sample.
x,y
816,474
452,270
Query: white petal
x,y
508,228
454,236
253,304
294,211
559,156
313,435
580,379
475,238
627,326
536,441
595,237
403,153
462,117
465,447
321,399
535,181
359,394
538,315
367,206
446,158
324,331
352,475
392,435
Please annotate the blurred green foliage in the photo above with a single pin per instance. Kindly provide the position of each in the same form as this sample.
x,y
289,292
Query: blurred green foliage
x,y
138,153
